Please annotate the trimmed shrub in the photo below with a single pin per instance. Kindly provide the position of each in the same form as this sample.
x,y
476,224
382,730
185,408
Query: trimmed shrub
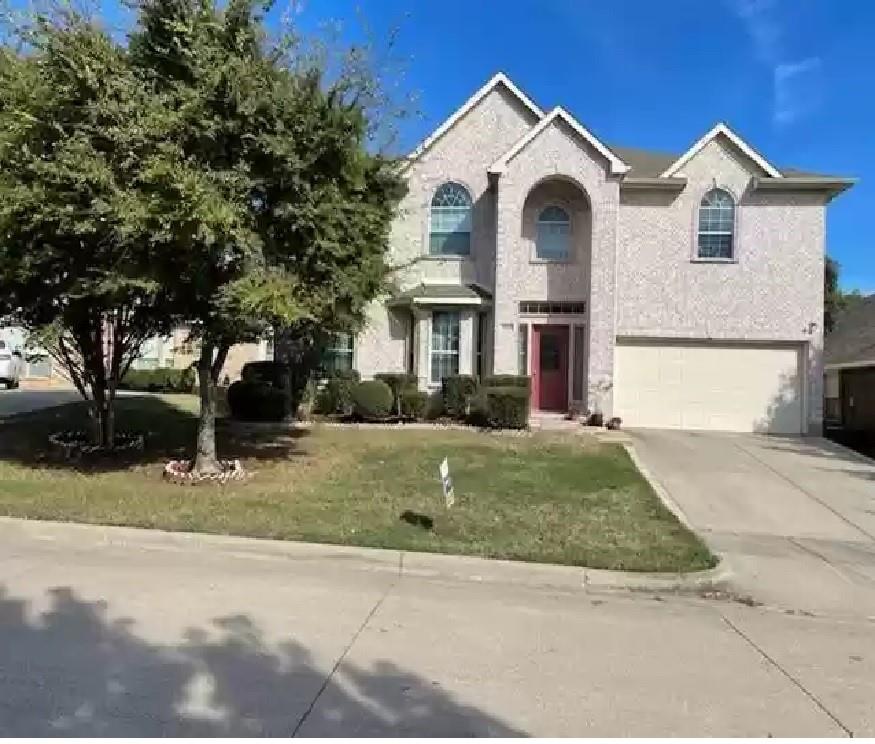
x,y
457,392
397,382
255,401
478,415
413,402
268,373
336,393
493,381
160,380
434,408
507,407
372,400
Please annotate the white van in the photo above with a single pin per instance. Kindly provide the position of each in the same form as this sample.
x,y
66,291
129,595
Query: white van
x,y
11,365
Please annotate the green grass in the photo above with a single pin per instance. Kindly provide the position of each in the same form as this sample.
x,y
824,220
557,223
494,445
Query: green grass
x,y
533,497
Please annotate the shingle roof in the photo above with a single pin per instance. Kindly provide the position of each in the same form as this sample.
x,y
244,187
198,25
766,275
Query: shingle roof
x,y
853,338
650,163
472,292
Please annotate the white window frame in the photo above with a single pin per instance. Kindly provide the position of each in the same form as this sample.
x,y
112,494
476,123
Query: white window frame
x,y
432,351
430,212
733,257
569,254
331,348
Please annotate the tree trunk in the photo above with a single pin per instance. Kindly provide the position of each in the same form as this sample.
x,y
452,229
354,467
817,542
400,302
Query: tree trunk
x,y
206,461
103,418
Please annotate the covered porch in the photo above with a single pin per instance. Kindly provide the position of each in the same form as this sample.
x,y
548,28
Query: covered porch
x,y
449,330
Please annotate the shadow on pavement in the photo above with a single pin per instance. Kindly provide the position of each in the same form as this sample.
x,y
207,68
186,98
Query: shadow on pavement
x,y
72,671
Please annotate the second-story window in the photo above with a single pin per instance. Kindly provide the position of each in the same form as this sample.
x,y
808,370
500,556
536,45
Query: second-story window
x,y
553,241
716,225
450,227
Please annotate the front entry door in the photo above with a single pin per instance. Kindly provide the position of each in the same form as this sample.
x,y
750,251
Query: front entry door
x,y
550,368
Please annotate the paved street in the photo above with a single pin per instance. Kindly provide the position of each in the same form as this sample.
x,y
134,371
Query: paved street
x,y
116,631
795,517
23,401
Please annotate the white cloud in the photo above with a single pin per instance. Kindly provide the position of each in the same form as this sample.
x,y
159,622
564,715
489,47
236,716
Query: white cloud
x,y
798,89
797,82
764,27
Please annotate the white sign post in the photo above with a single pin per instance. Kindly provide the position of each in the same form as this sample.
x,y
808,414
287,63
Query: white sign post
x,y
447,483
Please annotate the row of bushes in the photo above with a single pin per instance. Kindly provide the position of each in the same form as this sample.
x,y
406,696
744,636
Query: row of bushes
x,y
498,401
160,380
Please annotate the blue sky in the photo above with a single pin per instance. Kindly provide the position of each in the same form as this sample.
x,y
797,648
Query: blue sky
x,y
795,78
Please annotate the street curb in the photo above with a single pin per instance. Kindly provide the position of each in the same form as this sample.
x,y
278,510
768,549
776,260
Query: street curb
x,y
407,565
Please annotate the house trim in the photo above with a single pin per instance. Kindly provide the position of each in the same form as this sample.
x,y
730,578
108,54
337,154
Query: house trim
x,y
721,129
618,167
837,366
498,79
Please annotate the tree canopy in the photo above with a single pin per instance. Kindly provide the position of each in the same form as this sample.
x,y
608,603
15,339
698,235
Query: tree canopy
x,y
202,172
75,124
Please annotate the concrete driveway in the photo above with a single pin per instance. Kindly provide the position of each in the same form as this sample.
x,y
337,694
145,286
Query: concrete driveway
x,y
794,516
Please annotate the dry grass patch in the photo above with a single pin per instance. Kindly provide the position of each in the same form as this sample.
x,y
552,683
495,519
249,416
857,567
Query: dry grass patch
x,y
558,499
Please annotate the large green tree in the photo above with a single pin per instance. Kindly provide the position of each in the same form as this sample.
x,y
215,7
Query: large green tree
x,y
265,206
835,300
75,125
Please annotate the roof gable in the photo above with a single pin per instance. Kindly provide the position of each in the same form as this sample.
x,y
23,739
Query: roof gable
x,y
499,79
560,114
718,130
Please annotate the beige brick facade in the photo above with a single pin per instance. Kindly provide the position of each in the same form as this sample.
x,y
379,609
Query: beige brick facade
x,y
633,258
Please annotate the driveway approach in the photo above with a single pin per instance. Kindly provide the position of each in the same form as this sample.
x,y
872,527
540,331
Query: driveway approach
x,y
795,517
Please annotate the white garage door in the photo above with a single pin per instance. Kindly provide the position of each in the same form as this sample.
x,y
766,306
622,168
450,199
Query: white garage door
x,y
706,386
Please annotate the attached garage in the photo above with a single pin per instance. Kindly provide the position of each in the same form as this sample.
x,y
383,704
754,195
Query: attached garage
x,y
721,387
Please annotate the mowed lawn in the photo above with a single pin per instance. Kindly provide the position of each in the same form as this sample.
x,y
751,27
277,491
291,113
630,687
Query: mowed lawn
x,y
557,499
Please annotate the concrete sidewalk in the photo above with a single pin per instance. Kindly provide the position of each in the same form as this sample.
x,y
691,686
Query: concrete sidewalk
x,y
123,632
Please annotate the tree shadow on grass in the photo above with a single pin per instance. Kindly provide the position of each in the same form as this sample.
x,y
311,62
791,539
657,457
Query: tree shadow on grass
x,y
73,671
169,431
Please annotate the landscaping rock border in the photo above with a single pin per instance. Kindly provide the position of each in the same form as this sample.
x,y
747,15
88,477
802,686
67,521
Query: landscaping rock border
x,y
74,444
178,471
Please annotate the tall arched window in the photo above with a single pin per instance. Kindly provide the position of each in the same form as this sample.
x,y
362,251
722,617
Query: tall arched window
x,y
553,241
716,225
450,228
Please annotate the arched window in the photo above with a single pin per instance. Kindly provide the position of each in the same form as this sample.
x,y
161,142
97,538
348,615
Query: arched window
x,y
450,228
716,225
553,241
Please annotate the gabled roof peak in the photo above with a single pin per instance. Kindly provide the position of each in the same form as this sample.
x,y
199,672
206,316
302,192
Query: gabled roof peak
x,y
496,80
618,167
721,129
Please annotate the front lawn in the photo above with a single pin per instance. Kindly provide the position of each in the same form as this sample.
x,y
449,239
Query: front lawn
x,y
557,499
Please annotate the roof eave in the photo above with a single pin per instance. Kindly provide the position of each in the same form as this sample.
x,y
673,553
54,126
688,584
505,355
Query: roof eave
x,y
832,187
634,183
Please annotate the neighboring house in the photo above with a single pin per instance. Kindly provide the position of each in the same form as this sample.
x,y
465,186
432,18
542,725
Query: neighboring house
x,y
178,352
850,370
680,291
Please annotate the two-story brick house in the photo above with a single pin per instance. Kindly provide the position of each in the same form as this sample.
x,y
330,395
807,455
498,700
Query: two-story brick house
x,y
672,291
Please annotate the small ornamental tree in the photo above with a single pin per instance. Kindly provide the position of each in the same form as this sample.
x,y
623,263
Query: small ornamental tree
x,y
264,205
75,124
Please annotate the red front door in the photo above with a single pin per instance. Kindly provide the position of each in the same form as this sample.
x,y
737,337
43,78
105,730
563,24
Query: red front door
x,y
550,367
